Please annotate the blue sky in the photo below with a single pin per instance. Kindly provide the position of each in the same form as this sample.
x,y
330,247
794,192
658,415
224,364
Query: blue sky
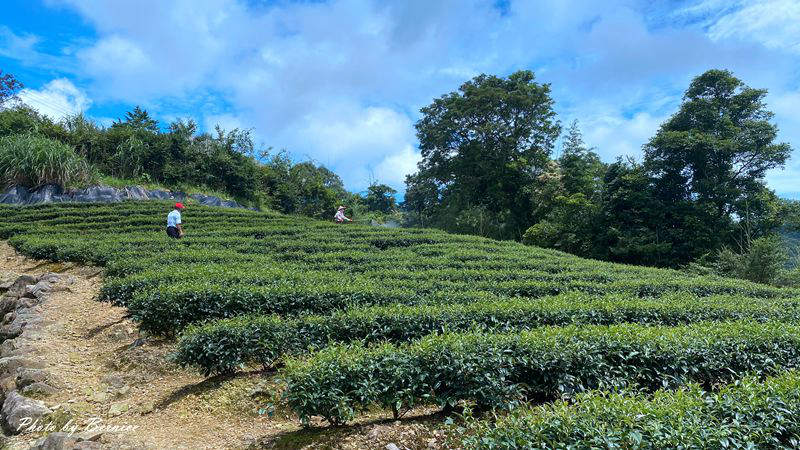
x,y
342,81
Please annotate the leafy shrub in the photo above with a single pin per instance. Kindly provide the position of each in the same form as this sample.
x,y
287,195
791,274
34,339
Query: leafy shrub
x,y
235,262
519,323
762,262
30,160
227,345
542,364
789,278
746,414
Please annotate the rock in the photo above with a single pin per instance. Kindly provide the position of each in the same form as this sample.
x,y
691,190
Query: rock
x,y
147,408
18,287
135,193
373,434
391,446
9,317
7,385
14,347
50,277
207,200
8,303
118,409
16,408
57,441
104,194
100,397
38,290
10,364
25,319
16,195
39,389
92,435
28,302
49,193
28,292
114,381
160,195
27,376
122,391
10,331
53,194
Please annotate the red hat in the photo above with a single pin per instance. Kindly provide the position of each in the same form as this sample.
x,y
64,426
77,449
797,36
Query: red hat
x,y
179,205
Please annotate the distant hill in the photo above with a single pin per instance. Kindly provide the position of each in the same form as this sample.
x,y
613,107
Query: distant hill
x,y
792,239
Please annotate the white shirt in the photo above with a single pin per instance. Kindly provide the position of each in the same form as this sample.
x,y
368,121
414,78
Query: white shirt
x,y
174,218
339,215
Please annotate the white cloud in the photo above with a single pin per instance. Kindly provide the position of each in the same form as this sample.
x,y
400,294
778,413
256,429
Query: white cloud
x,y
773,23
341,81
114,56
616,135
56,99
343,131
394,167
361,143
13,45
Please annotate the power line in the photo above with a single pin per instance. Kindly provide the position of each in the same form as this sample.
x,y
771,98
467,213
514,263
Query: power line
x,y
43,100
37,100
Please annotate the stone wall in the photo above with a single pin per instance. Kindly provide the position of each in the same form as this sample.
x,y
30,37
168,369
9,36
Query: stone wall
x,y
52,193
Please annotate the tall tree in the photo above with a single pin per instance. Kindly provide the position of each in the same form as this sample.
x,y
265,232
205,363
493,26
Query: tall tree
x,y
380,198
571,222
139,119
708,161
9,86
581,168
420,200
628,217
485,145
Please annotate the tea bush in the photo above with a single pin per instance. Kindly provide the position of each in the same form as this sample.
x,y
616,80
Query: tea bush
x,y
363,317
227,345
541,364
746,414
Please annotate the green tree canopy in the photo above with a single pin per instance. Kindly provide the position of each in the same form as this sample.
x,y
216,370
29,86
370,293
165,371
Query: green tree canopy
x,y
707,163
484,147
581,169
9,86
380,198
138,119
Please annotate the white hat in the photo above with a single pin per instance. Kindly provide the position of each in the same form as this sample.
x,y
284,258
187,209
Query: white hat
x,y
341,207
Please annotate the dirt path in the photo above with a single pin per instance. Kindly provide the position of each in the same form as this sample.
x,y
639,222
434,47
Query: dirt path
x,y
113,375
110,372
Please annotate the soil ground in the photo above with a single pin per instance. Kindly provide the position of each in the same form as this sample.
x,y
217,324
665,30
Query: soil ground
x,y
113,373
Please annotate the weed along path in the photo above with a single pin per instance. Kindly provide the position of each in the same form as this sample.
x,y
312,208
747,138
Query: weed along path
x,y
117,388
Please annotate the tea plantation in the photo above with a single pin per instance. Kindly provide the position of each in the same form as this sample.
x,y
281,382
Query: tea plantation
x,y
357,318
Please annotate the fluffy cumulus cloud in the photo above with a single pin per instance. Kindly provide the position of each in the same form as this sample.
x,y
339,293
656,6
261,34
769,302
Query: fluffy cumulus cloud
x,y
56,99
366,143
342,81
776,24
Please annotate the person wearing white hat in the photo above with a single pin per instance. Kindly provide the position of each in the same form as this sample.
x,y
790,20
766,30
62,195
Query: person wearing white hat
x,y
340,217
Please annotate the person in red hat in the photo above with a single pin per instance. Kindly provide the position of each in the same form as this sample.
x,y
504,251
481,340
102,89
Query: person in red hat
x,y
174,229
